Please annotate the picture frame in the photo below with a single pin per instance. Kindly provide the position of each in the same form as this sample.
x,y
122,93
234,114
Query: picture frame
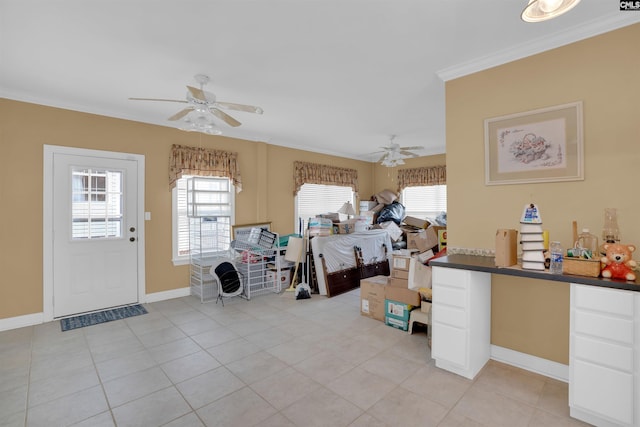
x,y
543,145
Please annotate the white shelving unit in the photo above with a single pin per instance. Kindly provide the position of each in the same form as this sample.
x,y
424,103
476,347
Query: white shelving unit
x,y
204,248
209,231
257,257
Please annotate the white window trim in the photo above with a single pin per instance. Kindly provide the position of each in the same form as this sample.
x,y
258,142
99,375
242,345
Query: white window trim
x,y
184,259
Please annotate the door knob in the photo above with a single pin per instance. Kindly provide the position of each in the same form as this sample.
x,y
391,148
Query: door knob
x,y
132,229
132,239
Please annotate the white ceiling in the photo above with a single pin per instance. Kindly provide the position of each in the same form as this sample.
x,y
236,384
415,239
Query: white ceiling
x,y
333,76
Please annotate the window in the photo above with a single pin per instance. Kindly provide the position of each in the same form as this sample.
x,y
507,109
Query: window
x,y
426,201
97,208
220,192
315,199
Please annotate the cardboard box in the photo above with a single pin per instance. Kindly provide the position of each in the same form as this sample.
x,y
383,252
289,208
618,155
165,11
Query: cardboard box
x,y
399,283
416,222
400,261
372,296
506,247
396,314
400,274
422,240
442,239
284,278
346,227
403,295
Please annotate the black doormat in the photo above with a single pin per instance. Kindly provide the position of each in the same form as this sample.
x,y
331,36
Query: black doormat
x,y
101,317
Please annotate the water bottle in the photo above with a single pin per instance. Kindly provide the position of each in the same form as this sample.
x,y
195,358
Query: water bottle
x,y
556,258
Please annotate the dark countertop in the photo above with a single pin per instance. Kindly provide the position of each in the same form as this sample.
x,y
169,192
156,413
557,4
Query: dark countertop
x,y
486,264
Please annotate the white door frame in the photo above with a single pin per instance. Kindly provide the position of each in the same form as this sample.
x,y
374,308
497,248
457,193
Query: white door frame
x,y
47,216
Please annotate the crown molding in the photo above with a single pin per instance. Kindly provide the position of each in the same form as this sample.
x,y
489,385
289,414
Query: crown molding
x,y
568,36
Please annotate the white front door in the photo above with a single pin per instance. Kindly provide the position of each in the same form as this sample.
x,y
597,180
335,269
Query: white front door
x,y
95,233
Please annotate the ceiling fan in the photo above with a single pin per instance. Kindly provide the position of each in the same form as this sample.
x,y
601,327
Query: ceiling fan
x,y
394,153
203,106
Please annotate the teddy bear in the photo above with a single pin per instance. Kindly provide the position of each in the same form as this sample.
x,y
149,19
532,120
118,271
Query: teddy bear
x,y
617,262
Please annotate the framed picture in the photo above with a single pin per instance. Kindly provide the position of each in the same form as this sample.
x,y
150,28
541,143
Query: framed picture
x,y
542,145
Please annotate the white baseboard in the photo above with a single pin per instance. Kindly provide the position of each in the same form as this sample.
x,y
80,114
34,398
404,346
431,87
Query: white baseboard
x,y
21,321
38,318
531,363
165,295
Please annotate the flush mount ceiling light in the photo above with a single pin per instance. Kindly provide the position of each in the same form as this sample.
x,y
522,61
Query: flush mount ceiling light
x,y
541,10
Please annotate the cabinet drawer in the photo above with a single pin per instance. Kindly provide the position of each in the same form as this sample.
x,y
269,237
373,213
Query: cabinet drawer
x,y
603,353
449,315
451,277
455,297
602,391
612,301
449,344
602,326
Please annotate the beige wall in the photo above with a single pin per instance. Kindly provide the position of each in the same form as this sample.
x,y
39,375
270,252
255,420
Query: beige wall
x,y
603,72
387,178
267,194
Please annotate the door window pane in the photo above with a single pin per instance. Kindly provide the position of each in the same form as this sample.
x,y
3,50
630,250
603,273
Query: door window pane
x,y
97,203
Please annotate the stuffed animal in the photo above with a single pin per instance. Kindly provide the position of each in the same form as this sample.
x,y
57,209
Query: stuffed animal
x,y
618,263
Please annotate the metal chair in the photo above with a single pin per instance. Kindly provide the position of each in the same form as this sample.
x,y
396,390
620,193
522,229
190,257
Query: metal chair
x,y
230,280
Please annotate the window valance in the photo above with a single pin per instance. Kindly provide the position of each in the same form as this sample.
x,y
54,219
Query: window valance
x,y
413,177
314,173
203,162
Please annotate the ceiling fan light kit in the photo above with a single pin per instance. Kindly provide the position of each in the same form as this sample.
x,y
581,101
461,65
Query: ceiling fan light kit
x,y
541,10
204,109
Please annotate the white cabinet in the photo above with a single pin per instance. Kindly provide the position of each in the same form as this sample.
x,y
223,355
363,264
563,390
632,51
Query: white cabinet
x,y
461,320
604,356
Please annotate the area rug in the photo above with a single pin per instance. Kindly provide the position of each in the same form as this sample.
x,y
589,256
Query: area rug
x,y
101,317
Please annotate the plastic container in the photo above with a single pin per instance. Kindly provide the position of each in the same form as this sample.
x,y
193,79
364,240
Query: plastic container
x,y
587,243
555,249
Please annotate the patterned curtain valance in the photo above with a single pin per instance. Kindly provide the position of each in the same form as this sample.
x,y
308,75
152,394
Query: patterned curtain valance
x,y
313,173
436,175
203,162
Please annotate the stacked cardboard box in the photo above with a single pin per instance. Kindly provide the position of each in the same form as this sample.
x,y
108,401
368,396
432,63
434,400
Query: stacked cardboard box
x,y
432,237
388,299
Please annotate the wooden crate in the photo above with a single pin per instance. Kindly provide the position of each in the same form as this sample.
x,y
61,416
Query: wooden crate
x,y
581,267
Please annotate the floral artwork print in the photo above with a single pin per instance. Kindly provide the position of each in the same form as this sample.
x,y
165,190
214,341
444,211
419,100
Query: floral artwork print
x,y
534,146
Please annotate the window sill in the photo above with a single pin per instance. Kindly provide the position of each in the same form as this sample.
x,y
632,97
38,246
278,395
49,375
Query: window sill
x,y
180,261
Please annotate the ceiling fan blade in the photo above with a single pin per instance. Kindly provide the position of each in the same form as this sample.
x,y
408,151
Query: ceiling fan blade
x,y
417,147
224,117
158,99
240,107
197,93
408,153
384,156
181,114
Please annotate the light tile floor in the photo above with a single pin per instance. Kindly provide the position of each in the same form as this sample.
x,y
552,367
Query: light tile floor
x,y
270,361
